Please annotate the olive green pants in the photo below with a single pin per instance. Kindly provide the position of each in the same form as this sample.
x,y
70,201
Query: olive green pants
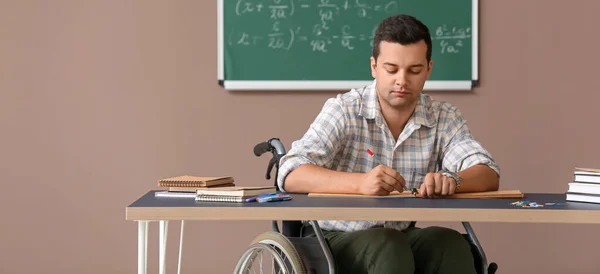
x,y
427,250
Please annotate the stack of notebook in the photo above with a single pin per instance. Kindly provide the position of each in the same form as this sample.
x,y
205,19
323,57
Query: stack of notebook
x,y
186,185
585,186
209,189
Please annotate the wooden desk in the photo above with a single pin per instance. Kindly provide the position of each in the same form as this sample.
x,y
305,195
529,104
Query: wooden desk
x,y
301,207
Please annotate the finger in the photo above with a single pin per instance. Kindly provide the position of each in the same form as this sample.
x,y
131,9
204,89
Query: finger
x,y
400,179
386,186
429,185
383,188
393,184
382,192
451,187
423,189
446,185
396,180
394,174
438,181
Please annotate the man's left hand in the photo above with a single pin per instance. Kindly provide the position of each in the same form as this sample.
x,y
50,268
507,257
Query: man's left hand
x,y
436,184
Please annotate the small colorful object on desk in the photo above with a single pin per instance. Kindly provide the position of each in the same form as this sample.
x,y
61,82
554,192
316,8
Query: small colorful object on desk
x,y
271,197
554,204
528,204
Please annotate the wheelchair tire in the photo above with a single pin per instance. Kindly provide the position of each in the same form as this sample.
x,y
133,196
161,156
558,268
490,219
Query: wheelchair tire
x,y
245,263
285,246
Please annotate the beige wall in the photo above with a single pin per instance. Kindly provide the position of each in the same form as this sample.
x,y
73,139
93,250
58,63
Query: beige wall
x,y
101,98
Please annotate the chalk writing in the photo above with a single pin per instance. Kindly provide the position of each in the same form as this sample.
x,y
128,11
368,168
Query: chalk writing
x,y
326,25
451,38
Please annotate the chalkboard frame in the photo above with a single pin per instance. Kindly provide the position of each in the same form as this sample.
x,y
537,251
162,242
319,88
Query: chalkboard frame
x,y
340,85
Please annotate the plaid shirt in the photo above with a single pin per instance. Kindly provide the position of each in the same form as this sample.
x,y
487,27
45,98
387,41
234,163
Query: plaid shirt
x,y
435,137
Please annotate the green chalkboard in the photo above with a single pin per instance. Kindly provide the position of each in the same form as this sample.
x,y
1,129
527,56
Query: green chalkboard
x,y
326,44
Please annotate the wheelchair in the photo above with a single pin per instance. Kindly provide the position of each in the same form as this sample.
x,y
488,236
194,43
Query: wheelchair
x,y
299,247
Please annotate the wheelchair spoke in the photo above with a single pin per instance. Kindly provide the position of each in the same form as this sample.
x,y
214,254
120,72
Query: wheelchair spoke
x,y
261,264
254,262
273,267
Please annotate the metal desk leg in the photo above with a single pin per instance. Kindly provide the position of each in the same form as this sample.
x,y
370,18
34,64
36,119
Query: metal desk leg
x,y
164,228
142,246
180,248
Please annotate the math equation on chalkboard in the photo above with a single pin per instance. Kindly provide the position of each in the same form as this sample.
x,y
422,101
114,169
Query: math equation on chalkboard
x,y
323,25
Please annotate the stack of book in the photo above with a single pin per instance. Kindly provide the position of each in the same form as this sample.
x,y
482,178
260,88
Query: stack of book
x,y
210,189
585,186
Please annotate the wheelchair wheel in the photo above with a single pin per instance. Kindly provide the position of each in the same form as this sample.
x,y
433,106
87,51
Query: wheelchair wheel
x,y
281,256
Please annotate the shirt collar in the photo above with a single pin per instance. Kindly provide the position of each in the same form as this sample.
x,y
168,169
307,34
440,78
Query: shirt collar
x,y
369,107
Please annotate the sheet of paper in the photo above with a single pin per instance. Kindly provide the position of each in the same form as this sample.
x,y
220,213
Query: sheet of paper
x,y
395,194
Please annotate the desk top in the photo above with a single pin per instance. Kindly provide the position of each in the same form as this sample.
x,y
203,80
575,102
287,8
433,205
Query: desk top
x,y
302,207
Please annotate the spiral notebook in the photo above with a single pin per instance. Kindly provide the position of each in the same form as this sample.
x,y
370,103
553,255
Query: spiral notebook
x,y
194,181
221,198
237,191
237,194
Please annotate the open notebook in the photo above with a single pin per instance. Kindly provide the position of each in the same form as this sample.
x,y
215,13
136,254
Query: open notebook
x,y
472,195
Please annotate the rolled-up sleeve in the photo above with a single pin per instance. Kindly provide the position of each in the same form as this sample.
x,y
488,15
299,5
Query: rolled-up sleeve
x,y
319,144
461,150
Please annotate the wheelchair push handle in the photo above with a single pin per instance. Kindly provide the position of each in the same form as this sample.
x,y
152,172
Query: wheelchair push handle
x,y
278,147
270,167
274,146
261,148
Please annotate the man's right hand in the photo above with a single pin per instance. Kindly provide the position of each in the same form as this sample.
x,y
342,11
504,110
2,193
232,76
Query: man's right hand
x,y
381,181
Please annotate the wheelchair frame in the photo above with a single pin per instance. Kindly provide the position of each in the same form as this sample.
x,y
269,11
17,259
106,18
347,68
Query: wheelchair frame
x,y
292,229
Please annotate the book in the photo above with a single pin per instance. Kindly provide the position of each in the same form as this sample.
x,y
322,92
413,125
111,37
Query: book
x,y
194,181
583,197
586,188
406,194
587,175
585,169
237,191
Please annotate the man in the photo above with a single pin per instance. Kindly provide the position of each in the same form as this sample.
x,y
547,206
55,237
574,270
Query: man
x,y
420,142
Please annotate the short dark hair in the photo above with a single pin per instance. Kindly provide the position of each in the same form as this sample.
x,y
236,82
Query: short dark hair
x,y
402,29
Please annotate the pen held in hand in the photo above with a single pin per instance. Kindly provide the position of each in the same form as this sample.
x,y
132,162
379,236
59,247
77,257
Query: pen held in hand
x,y
374,158
414,190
